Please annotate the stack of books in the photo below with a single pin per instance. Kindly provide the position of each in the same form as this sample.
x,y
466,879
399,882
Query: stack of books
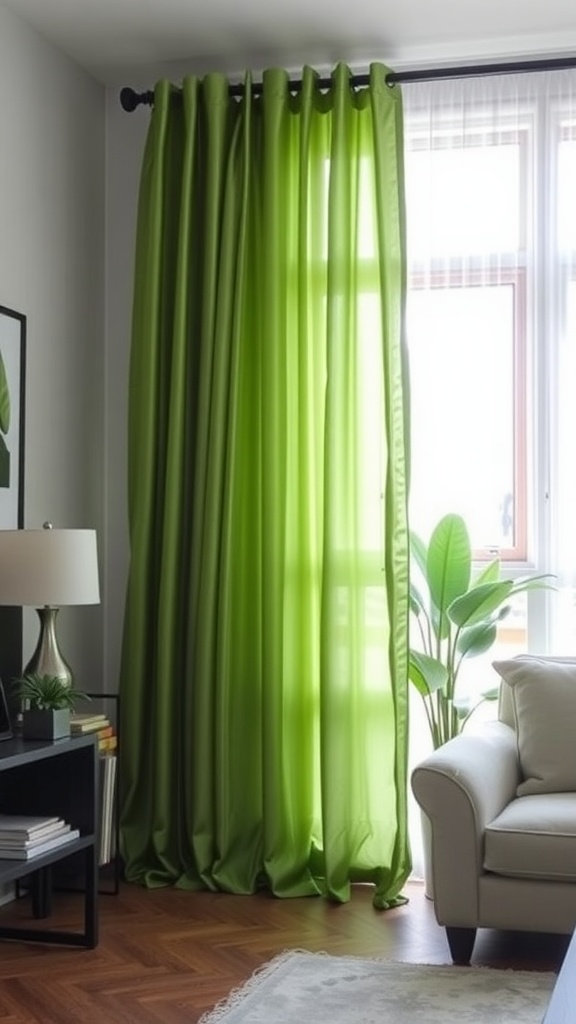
x,y
107,738
23,837
98,724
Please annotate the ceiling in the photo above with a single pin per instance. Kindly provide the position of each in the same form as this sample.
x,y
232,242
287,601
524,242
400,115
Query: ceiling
x,y
117,39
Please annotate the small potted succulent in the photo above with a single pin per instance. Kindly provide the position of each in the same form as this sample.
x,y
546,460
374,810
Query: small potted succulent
x,y
47,702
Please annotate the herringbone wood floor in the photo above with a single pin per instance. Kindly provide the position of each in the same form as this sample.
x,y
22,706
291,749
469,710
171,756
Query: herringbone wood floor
x,y
167,956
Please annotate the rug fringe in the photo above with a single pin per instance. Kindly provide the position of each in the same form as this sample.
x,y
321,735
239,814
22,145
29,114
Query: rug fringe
x,y
236,995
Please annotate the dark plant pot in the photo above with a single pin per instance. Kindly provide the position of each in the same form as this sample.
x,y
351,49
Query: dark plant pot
x,y
46,725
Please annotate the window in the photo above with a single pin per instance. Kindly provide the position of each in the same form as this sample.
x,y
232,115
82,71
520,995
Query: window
x,y
491,328
491,331
467,325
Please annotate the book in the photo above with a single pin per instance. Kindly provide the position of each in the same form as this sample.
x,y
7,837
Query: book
x,y
78,728
108,730
93,716
26,824
39,848
108,776
78,721
37,835
16,842
107,744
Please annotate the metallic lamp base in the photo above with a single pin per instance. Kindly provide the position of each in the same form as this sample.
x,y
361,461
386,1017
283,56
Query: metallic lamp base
x,y
47,659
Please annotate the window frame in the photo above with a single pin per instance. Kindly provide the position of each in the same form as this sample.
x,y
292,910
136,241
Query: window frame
x,y
494,268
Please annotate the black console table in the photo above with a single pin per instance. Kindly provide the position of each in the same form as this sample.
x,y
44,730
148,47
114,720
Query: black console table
x,y
44,778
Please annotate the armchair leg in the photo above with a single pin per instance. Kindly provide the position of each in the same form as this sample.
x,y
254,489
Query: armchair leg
x,y
461,943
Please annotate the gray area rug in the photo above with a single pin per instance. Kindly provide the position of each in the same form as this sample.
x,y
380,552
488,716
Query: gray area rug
x,y
315,988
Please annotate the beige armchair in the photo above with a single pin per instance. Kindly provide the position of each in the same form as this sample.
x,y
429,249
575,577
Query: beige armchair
x,y
501,802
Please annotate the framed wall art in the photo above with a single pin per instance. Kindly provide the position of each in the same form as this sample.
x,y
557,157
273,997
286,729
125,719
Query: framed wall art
x,y
12,427
12,422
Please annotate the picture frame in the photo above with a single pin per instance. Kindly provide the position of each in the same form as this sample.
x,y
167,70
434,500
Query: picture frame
x,y
12,417
13,351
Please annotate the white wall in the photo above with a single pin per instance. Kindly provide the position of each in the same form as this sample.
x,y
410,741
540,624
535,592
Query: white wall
x,y
52,118
125,137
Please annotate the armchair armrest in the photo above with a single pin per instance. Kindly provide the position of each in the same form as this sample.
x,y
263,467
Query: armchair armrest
x,y
461,787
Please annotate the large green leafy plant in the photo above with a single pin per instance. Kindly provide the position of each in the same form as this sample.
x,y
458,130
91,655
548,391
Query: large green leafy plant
x,y
456,617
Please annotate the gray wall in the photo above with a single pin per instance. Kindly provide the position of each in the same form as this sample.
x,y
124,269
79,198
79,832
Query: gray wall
x,y
52,118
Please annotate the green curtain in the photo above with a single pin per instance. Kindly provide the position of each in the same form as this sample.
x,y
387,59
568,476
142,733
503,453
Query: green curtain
x,y
264,666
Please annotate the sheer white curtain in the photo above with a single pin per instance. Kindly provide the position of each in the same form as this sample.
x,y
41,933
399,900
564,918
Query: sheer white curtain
x,y
491,214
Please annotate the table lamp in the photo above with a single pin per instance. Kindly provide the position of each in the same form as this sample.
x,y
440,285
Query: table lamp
x,y
46,569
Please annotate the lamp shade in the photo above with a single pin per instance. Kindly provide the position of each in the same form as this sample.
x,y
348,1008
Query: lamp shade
x,y
48,567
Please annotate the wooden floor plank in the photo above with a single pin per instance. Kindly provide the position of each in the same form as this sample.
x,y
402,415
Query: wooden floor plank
x,y
165,956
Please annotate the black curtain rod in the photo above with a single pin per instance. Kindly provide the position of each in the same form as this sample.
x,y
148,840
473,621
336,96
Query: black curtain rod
x,y
130,99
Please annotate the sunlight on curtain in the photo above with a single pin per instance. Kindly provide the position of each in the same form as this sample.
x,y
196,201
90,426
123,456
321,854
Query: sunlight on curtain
x,y
491,326
264,675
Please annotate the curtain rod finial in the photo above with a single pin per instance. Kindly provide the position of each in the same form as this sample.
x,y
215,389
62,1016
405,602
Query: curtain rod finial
x,y
130,99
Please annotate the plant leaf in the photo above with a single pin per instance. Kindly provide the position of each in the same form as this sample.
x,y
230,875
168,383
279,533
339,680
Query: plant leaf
x,y
448,565
490,574
533,583
428,674
476,639
46,692
464,707
4,399
418,551
417,604
479,603
492,694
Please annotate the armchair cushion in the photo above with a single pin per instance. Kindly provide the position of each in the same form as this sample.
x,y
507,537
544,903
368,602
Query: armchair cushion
x,y
544,700
534,837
